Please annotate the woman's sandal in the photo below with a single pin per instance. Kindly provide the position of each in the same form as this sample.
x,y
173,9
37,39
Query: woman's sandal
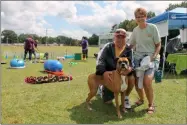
x,y
151,109
139,102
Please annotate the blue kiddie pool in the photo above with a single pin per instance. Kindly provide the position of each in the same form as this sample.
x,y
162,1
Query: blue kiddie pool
x,y
17,64
69,56
53,65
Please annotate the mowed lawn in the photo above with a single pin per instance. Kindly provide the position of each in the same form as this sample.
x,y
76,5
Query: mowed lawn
x,y
64,102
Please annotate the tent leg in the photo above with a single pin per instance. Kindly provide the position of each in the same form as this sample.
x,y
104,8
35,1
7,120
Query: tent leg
x,y
164,57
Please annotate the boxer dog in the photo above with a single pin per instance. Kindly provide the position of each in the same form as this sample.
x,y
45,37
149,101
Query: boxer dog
x,y
117,85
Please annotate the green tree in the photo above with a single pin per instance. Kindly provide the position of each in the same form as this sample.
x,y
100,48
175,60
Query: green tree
x,y
128,25
9,36
131,25
150,14
93,40
114,27
124,24
22,38
173,6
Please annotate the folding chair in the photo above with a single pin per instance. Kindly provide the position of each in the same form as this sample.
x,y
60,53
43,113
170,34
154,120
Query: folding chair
x,y
172,71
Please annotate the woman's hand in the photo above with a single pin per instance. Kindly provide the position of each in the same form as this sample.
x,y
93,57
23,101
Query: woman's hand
x,y
127,71
152,58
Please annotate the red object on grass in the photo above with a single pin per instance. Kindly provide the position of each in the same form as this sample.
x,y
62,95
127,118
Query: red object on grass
x,y
55,73
71,77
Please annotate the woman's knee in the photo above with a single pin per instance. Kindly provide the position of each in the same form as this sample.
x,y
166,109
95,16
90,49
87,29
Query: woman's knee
x,y
148,81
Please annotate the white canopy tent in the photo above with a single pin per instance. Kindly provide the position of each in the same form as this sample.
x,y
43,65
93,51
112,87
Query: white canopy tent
x,y
174,19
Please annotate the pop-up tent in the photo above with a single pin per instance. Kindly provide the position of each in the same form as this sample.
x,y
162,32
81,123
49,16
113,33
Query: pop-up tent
x,y
174,19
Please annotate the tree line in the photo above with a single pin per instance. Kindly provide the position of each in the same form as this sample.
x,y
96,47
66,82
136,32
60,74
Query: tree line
x,y
11,37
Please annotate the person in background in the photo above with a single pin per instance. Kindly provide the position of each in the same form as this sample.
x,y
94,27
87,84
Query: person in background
x,y
84,44
146,41
35,48
28,47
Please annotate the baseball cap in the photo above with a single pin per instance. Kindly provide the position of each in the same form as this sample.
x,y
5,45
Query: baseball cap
x,y
121,32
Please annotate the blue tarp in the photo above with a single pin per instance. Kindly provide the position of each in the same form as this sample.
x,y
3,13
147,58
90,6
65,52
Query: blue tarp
x,y
177,18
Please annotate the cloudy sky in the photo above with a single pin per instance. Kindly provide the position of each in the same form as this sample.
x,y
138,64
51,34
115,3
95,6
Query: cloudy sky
x,y
71,18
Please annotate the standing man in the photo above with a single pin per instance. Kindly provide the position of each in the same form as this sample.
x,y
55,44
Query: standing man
x,y
28,47
146,41
84,45
35,44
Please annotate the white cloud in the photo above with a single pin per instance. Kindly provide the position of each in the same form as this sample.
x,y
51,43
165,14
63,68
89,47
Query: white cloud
x,y
76,33
155,6
2,14
28,16
102,19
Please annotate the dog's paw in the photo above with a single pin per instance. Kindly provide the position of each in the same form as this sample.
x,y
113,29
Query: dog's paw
x,y
124,110
90,109
120,116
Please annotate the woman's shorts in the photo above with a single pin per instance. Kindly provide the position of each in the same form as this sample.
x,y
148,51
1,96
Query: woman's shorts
x,y
148,71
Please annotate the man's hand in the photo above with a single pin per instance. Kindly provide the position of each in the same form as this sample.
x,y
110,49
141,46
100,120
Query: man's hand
x,y
107,76
36,49
127,71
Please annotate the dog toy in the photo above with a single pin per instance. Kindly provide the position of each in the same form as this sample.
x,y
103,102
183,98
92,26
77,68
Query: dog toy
x,y
46,79
72,63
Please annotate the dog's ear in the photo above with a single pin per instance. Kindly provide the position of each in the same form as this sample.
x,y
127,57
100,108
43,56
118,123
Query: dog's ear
x,y
116,59
129,59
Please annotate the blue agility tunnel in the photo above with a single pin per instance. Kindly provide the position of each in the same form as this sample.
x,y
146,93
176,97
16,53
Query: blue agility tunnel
x,y
53,65
69,56
16,63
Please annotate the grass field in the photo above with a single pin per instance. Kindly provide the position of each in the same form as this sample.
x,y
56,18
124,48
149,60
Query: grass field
x,y
63,103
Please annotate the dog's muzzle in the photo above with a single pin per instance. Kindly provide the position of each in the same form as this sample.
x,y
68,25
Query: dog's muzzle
x,y
124,65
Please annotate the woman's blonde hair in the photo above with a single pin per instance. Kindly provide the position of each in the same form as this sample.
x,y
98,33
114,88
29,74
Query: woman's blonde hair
x,y
140,11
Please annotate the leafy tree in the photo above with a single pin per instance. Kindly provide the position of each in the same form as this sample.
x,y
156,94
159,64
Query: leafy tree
x,y
93,40
150,14
9,36
173,6
114,27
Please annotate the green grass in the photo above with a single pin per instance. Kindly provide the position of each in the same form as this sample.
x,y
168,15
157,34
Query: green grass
x,y
63,103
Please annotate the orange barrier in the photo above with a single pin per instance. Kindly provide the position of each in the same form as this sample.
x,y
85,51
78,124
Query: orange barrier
x,y
61,73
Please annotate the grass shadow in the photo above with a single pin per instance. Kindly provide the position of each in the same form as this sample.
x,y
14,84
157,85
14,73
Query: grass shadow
x,y
3,63
44,72
14,68
101,113
172,76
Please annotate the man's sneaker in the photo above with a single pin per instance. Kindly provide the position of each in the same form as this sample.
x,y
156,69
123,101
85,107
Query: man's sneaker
x,y
100,91
127,103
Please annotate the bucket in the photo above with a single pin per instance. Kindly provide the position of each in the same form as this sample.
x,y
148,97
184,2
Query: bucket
x,y
158,76
78,56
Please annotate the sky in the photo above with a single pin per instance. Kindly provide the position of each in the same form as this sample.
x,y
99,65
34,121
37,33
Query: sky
x,y
71,18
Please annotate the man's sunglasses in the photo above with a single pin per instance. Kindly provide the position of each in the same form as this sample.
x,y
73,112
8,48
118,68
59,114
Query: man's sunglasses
x,y
120,33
